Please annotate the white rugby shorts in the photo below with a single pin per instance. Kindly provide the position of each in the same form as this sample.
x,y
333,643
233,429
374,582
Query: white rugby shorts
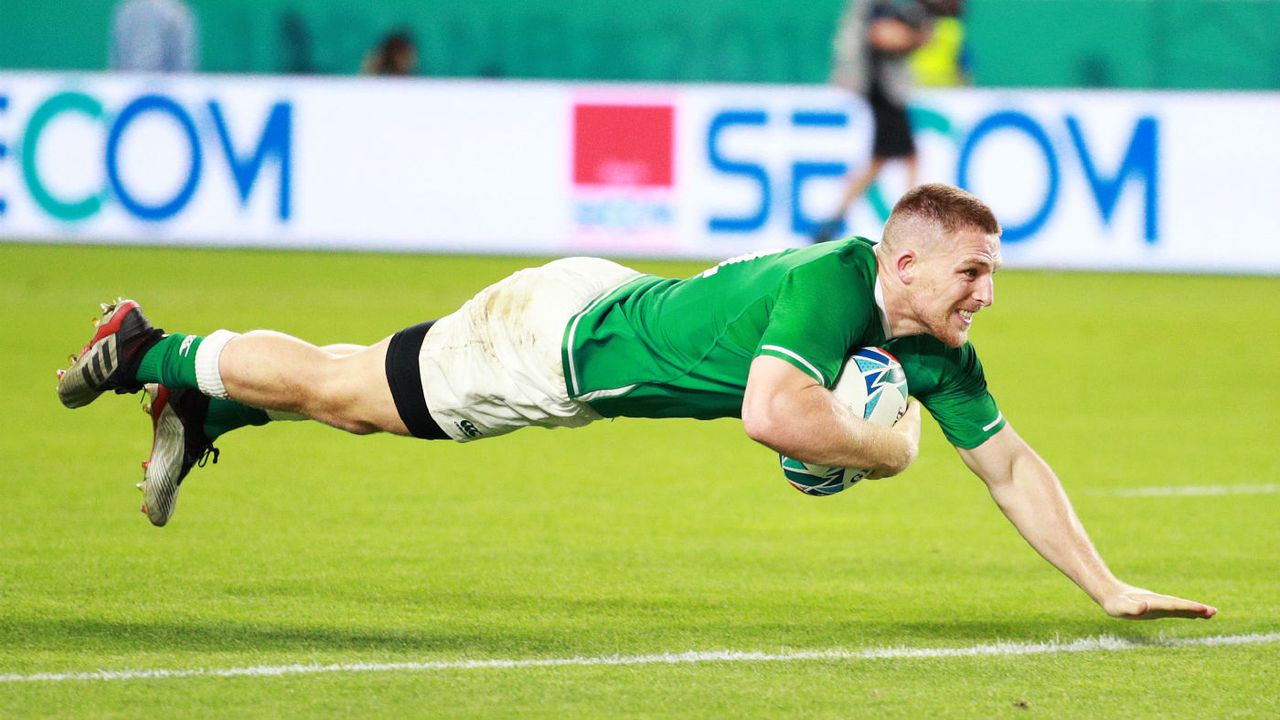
x,y
495,365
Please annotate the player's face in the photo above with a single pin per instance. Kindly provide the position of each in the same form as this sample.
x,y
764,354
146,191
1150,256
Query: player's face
x,y
955,282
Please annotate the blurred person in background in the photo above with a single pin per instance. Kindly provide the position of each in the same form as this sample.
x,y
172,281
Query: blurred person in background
x,y
871,46
396,54
154,36
943,61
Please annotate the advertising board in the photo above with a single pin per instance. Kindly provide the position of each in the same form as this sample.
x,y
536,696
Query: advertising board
x,y
1097,180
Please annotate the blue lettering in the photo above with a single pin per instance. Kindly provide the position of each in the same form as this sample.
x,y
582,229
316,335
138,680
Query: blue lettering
x,y
623,213
161,104
802,171
819,119
749,170
1140,164
1139,160
274,142
1013,120
588,214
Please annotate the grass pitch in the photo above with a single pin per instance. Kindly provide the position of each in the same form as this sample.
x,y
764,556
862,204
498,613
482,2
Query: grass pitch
x,y
307,546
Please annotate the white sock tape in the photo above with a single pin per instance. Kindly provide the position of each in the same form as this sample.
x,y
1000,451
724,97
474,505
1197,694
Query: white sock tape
x,y
208,374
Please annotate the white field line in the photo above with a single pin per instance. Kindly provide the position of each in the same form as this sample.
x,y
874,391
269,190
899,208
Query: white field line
x,y
1104,643
1194,490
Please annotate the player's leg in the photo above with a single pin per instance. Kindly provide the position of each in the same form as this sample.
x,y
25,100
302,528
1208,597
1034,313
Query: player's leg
x,y
894,139
912,164
264,369
227,415
856,186
126,352
859,184
274,371
221,416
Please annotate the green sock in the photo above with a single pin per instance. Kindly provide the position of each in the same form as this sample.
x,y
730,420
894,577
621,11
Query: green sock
x,y
227,415
171,362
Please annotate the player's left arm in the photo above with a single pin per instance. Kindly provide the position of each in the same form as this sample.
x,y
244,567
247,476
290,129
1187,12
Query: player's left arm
x,y
1030,496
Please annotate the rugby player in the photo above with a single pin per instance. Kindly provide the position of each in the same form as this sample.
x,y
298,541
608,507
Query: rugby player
x,y
761,337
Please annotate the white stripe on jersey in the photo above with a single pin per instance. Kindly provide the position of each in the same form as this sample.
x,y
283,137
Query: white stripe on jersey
x,y
806,363
610,393
573,327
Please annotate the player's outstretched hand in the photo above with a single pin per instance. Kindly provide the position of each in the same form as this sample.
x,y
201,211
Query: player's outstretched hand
x,y
1132,603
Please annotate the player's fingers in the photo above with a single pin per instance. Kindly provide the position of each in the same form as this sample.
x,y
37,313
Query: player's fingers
x,y
1180,607
1156,606
1189,614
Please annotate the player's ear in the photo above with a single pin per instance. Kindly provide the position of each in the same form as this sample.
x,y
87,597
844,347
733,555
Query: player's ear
x,y
905,265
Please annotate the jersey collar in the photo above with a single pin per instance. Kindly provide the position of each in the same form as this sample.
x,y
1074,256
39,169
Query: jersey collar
x,y
884,314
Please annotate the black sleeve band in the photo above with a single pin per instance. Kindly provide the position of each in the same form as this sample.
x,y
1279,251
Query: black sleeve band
x,y
405,379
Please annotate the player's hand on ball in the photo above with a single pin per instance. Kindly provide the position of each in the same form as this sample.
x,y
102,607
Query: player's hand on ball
x,y
1132,603
909,426
909,423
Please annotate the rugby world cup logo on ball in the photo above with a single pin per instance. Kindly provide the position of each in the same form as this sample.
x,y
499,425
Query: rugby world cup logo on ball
x,y
871,384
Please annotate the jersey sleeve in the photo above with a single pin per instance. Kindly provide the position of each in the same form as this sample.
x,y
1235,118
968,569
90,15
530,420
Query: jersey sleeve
x,y
961,403
818,312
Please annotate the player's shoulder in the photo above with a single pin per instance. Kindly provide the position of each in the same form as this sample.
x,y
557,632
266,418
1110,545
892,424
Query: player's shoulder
x,y
926,354
825,268
838,267
857,252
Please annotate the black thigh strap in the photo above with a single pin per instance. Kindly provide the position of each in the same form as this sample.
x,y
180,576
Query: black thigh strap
x,y
405,379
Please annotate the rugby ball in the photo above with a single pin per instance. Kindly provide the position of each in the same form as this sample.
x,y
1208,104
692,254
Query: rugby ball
x,y
872,385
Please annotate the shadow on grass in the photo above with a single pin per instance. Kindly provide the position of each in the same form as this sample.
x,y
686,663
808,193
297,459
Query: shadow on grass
x,y
557,636
129,637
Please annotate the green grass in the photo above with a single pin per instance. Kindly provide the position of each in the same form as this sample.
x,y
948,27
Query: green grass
x,y
304,545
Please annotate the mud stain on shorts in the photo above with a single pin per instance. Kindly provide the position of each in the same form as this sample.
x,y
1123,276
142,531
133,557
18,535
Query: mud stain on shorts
x,y
504,309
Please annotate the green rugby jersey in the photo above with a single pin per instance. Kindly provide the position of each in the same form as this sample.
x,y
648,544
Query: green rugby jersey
x,y
660,347
949,382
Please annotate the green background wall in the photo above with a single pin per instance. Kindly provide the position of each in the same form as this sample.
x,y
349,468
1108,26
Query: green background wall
x,y
1039,43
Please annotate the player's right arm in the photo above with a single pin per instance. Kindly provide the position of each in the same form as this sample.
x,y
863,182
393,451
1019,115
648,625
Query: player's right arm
x,y
790,412
1029,494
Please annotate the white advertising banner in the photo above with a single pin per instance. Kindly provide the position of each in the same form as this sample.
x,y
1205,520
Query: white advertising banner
x,y
1098,180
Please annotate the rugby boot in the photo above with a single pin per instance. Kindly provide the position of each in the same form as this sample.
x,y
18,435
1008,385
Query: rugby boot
x,y
178,444
110,360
